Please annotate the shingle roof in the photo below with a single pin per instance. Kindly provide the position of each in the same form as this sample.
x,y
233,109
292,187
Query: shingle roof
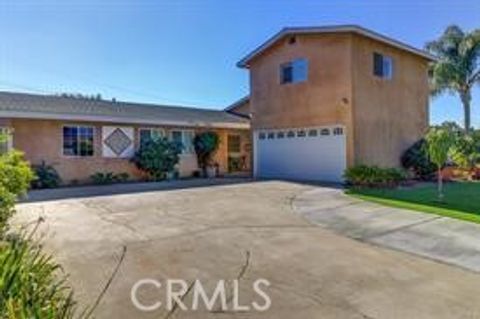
x,y
243,63
22,105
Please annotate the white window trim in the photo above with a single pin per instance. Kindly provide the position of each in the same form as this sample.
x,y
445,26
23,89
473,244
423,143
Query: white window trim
x,y
157,129
184,140
62,154
8,131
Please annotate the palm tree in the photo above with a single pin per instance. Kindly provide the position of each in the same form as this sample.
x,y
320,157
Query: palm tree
x,y
458,67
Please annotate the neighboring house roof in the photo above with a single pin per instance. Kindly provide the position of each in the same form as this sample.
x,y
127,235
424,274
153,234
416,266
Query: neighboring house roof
x,y
243,63
21,105
233,108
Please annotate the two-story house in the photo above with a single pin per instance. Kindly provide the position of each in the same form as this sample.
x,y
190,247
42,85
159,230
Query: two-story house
x,y
326,98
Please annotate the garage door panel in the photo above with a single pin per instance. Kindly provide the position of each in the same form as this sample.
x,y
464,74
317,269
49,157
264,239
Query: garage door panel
x,y
321,158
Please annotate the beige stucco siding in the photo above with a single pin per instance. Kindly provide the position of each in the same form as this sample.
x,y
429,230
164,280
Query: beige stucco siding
x,y
388,115
42,140
324,99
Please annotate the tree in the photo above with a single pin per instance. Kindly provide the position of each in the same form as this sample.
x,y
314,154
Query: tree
x,y
466,152
157,157
206,144
439,144
458,68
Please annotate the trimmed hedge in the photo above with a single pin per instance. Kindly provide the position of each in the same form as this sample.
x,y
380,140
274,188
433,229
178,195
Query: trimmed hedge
x,y
374,176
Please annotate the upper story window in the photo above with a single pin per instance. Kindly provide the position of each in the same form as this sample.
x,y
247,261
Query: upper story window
x,y
150,134
382,66
5,140
294,71
78,140
184,138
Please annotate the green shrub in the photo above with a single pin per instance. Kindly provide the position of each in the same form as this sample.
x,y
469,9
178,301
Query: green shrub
x,y
100,178
206,144
416,159
31,283
466,151
374,176
46,176
15,179
157,157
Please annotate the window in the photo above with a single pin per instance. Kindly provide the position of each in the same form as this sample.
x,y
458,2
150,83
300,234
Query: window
x,y
5,140
271,135
291,134
184,139
294,72
149,134
312,133
382,66
325,132
301,133
261,136
234,144
280,135
338,131
78,141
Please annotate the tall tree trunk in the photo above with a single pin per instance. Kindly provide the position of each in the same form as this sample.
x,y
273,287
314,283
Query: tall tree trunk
x,y
466,97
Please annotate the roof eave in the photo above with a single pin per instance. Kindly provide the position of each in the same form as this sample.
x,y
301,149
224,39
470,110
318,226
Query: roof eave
x,y
244,63
121,120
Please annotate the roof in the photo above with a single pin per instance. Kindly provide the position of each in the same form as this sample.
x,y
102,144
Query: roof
x,y
243,63
237,103
34,106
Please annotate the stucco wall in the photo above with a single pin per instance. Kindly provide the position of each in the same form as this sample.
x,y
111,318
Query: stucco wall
x,y
324,99
389,115
42,140
382,118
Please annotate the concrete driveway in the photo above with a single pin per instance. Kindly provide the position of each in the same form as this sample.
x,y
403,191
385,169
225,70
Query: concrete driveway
x,y
246,231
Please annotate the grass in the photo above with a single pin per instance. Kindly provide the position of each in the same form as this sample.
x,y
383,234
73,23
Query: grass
x,y
462,199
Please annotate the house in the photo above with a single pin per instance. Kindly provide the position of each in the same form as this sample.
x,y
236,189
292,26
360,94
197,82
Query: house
x,y
321,99
80,136
326,98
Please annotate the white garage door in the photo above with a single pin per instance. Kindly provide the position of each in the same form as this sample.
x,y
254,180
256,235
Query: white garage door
x,y
317,154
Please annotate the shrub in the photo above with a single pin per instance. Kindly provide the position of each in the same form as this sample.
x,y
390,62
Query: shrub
x,y
46,176
15,178
31,285
206,144
466,151
374,176
100,178
157,157
416,159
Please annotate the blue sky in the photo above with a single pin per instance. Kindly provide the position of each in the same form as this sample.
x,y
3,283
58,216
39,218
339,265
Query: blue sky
x,y
184,52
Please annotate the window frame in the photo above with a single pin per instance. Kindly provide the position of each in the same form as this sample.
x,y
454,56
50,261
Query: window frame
x,y
295,66
186,149
229,151
78,126
383,66
8,144
150,129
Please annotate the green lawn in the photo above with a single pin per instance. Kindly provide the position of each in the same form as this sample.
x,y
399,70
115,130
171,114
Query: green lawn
x,y
462,199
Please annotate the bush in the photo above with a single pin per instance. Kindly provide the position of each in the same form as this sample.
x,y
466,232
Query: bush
x,y
15,179
46,176
206,144
100,178
416,160
30,283
374,176
157,157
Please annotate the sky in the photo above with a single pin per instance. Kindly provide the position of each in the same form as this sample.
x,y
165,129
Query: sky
x,y
183,52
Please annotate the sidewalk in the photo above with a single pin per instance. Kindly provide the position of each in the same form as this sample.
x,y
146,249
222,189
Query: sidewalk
x,y
439,238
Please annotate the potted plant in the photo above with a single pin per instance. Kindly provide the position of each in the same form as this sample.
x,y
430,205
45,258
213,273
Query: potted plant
x,y
206,144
